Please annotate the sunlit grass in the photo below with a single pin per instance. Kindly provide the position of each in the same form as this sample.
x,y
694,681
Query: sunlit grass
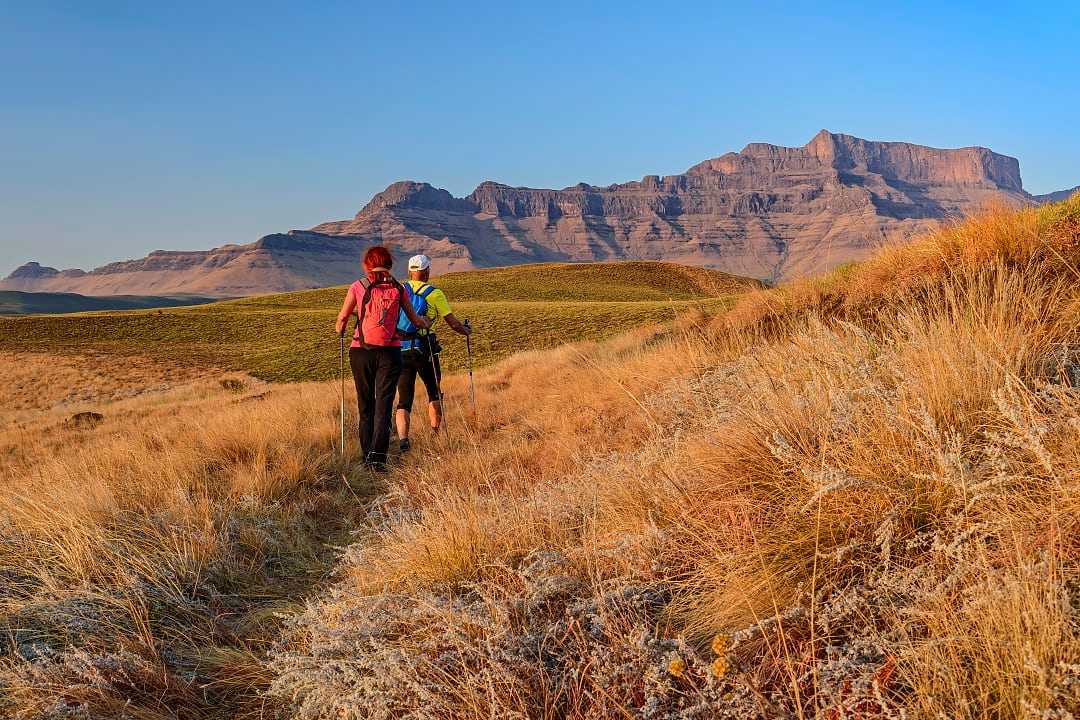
x,y
290,337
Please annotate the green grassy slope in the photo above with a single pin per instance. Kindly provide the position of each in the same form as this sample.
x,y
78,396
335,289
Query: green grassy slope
x,y
631,281
290,337
14,302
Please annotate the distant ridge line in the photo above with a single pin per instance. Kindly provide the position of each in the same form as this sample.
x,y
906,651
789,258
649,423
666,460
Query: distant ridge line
x,y
768,211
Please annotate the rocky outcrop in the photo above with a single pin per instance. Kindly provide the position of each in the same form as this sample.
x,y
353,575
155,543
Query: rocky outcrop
x,y
33,271
917,164
407,194
767,211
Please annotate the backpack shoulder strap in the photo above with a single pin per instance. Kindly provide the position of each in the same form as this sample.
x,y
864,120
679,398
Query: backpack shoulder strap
x,y
366,284
425,291
362,311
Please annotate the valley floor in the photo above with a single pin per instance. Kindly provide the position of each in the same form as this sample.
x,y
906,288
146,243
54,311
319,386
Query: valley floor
x,y
855,496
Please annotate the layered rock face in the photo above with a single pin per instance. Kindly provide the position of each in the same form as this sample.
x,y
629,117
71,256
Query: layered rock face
x,y
768,211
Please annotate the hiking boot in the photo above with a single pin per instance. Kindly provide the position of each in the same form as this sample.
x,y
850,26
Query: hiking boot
x,y
376,462
404,445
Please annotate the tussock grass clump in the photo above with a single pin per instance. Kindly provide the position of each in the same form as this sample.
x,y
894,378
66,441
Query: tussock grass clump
x,y
847,497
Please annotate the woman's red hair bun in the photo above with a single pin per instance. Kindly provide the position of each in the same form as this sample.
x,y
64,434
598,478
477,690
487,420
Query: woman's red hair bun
x,y
377,257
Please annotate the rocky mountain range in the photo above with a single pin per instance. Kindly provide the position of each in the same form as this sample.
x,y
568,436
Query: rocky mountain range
x,y
768,212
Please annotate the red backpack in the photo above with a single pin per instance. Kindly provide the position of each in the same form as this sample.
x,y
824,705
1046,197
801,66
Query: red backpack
x,y
379,312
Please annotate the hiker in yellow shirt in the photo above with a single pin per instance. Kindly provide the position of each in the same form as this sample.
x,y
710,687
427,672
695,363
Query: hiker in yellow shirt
x,y
420,348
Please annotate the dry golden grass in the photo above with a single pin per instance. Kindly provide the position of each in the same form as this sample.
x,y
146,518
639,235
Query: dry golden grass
x,y
868,481
41,395
846,498
32,382
143,559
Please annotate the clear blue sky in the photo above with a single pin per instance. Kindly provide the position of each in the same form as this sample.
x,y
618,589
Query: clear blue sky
x,y
128,127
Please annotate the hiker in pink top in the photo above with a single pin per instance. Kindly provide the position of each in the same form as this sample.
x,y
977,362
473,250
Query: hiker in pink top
x,y
375,355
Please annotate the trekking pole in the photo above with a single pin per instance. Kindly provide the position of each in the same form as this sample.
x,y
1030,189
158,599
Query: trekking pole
x,y
341,376
438,379
468,356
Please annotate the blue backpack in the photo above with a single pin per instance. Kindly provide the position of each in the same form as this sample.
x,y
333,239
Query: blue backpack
x,y
406,329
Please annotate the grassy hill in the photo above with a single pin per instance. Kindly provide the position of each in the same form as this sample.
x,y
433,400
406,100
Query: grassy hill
x,y
289,337
14,302
630,281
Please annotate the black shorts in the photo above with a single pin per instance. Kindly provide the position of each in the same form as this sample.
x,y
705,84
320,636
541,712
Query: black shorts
x,y
413,363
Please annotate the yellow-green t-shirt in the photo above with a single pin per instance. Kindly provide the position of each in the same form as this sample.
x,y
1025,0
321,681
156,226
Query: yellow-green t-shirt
x,y
438,306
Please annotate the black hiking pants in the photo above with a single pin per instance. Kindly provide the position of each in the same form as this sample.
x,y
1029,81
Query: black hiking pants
x,y
419,362
375,371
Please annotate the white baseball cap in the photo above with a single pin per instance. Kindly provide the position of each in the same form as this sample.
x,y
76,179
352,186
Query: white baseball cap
x,y
419,262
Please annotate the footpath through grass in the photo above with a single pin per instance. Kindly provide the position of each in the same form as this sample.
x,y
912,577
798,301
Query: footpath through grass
x,y
289,337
